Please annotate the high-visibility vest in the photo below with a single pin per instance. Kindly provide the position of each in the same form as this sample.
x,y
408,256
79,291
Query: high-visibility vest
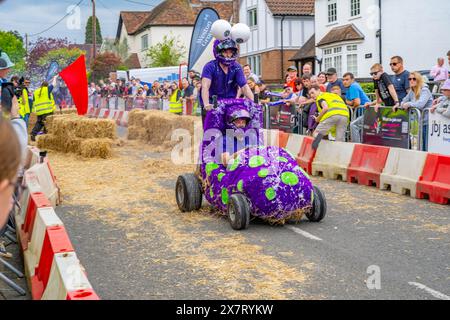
x,y
336,106
24,103
175,105
43,102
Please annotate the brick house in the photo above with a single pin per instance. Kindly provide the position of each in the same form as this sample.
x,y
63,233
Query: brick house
x,y
278,30
174,18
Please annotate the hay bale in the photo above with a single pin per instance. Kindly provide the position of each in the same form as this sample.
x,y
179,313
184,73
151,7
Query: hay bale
x,y
136,133
96,148
71,133
136,117
95,128
46,141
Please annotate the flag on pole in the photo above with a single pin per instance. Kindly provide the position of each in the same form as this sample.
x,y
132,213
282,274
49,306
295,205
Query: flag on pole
x,y
76,80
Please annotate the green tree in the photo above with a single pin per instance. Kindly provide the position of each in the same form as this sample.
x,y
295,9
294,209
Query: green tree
x,y
103,64
118,48
98,32
14,47
166,53
64,57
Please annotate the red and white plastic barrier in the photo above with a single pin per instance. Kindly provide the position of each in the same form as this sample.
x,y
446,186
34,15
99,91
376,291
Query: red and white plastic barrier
x,y
120,116
51,265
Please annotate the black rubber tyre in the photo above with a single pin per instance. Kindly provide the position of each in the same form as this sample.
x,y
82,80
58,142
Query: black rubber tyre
x,y
238,212
319,208
188,192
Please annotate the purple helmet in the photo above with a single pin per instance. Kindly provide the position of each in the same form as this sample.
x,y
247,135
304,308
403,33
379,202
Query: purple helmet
x,y
220,46
238,114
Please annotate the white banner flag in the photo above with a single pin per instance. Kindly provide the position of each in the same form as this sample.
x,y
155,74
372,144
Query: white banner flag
x,y
438,134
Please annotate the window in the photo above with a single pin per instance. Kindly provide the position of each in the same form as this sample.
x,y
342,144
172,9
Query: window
x,y
352,64
255,64
337,61
252,17
328,63
344,59
332,11
355,8
144,42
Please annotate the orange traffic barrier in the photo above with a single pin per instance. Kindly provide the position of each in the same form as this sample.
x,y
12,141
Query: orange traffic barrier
x,y
283,138
306,155
367,164
434,182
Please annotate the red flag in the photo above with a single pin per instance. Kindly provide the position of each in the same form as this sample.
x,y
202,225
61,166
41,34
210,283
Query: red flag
x,y
76,80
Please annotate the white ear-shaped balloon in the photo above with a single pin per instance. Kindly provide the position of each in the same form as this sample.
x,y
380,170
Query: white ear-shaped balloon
x,y
221,29
240,33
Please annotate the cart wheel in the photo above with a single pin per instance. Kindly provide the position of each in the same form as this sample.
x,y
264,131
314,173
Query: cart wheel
x,y
188,192
319,208
238,212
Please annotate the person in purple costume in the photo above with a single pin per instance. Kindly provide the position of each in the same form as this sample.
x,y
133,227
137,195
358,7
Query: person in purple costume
x,y
223,76
234,160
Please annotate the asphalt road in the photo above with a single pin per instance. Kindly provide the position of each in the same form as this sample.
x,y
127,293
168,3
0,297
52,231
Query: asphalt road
x,y
128,233
371,245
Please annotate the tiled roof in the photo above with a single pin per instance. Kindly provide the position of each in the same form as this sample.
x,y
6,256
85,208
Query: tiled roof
x,y
348,32
308,50
291,7
167,13
133,19
170,13
132,61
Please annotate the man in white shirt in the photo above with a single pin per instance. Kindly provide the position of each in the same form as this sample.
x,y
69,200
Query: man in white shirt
x,y
439,71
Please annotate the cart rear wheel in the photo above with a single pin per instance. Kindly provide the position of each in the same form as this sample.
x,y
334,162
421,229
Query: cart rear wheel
x,y
238,212
188,192
319,207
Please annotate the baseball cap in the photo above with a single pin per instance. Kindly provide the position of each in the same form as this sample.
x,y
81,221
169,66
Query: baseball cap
x,y
331,71
292,68
5,62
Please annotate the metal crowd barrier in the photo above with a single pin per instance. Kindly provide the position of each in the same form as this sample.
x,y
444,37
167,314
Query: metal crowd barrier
x,y
130,103
416,124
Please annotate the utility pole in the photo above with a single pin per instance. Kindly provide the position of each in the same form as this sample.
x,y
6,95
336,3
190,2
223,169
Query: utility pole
x,y
94,29
26,47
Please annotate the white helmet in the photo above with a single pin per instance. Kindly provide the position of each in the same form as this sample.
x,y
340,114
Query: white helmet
x,y
221,29
240,33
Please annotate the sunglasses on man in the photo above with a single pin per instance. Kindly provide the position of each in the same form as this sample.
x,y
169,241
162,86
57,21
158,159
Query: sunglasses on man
x,y
374,73
393,64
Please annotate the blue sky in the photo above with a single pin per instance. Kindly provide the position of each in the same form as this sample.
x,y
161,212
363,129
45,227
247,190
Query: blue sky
x,y
33,16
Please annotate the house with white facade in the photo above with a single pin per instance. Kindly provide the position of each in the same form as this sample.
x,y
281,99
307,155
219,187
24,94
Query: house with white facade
x,y
278,29
171,18
352,35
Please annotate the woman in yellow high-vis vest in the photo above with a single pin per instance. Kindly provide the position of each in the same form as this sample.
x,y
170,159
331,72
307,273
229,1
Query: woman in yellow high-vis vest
x,y
175,102
332,112
24,105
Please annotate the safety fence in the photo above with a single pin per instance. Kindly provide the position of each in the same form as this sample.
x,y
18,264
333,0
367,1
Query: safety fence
x,y
143,103
52,267
406,129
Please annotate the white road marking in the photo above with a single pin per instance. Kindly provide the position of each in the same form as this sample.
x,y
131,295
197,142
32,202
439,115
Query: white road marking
x,y
303,233
434,293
